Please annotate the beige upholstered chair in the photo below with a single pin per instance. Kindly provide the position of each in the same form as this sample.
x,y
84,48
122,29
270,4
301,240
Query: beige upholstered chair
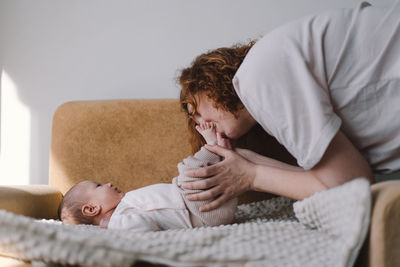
x,y
139,142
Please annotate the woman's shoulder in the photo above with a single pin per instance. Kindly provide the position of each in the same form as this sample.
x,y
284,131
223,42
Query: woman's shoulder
x,y
297,41
306,28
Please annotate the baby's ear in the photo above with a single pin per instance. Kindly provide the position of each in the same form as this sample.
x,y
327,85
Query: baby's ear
x,y
91,210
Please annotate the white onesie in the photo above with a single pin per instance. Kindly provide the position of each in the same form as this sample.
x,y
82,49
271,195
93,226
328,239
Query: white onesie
x,y
165,206
151,208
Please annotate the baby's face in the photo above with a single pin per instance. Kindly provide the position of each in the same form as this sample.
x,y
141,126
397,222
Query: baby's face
x,y
105,195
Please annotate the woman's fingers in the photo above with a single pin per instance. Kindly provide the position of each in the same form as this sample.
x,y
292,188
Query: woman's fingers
x,y
202,172
224,142
214,204
201,184
247,154
228,144
219,138
226,179
205,195
223,152
209,194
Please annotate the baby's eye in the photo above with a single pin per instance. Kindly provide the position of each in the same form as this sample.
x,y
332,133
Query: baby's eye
x,y
98,185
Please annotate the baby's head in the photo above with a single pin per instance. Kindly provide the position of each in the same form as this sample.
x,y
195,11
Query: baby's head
x,y
89,202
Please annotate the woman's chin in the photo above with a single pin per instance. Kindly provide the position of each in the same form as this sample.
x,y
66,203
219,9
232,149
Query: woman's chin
x,y
231,136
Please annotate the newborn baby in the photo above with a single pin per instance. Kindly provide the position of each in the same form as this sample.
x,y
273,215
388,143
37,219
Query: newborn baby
x,y
151,208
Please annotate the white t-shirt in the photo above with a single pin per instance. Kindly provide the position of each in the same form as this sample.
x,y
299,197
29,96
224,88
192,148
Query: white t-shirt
x,y
151,208
336,70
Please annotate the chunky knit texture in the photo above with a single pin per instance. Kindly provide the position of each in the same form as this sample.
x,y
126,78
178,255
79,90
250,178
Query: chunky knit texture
x,y
326,229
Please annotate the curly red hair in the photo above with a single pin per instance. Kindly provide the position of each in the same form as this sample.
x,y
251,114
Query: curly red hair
x,y
211,74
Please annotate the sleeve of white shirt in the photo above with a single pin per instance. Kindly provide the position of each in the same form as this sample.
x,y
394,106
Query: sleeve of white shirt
x,y
282,83
134,222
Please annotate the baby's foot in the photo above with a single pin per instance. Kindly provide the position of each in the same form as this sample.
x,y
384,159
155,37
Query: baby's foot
x,y
207,130
224,142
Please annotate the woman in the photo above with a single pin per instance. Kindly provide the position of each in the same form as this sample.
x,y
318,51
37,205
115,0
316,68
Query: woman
x,y
327,87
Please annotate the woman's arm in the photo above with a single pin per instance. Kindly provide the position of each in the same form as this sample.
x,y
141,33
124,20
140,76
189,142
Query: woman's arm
x,y
235,175
262,160
340,163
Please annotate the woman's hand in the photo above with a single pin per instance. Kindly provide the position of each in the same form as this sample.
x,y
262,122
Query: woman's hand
x,y
227,179
249,155
266,161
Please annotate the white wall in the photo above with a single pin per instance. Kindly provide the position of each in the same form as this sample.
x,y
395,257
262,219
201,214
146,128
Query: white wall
x,y
57,51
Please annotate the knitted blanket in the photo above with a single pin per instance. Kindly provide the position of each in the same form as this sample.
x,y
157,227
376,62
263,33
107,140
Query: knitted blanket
x,y
326,229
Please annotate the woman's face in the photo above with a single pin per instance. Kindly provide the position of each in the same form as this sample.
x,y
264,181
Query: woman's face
x,y
225,122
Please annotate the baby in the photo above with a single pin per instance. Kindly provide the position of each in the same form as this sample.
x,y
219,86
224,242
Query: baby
x,y
151,208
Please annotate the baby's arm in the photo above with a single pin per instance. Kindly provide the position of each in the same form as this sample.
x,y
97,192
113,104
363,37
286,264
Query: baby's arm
x,y
134,221
202,158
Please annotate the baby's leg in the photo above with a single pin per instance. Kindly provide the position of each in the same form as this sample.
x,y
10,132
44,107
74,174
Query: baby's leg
x,y
222,215
207,130
212,137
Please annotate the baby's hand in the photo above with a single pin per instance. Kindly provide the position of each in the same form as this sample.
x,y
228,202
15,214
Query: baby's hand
x,y
207,130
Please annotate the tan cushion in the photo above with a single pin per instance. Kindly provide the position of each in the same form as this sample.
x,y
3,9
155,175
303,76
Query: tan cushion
x,y
132,143
38,201
9,262
384,238
139,142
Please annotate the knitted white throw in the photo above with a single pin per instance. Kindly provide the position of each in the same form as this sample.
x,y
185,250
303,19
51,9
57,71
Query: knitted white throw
x,y
326,229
